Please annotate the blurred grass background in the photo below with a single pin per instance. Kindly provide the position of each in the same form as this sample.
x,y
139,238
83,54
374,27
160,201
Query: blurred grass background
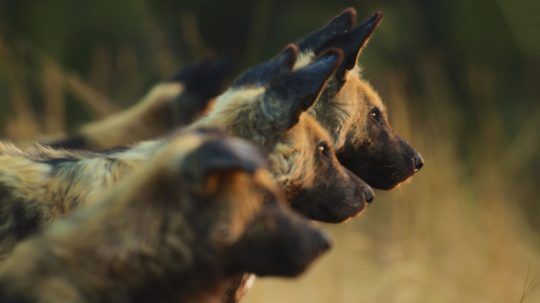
x,y
460,79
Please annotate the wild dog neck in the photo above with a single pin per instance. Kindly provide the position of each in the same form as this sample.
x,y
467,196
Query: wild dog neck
x,y
237,112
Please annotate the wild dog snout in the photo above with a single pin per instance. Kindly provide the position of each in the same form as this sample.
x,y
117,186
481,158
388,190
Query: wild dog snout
x,y
369,195
418,161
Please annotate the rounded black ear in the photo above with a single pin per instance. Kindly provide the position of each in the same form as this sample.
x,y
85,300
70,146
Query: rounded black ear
x,y
352,43
221,156
339,25
204,79
288,96
265,72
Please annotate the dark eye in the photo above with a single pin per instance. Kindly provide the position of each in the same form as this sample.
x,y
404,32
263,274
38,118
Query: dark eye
x,y
376,114
324,149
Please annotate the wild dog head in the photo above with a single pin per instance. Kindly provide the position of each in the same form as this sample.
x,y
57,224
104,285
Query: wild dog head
x,y
267,104
232,207
353,113
238,208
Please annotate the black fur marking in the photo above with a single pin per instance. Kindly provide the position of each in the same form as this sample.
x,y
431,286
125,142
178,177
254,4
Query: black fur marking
x,y
265,72
341,24
353,41
6,295
71,142
204,79
291,245
112,150
27,220
82,154
54,162
18,219
383,161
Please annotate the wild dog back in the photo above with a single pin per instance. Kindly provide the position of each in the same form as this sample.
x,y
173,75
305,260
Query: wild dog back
x,y
39,185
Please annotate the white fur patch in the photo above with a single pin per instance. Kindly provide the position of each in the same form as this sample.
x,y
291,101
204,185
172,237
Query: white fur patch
x,y
250,281
303,59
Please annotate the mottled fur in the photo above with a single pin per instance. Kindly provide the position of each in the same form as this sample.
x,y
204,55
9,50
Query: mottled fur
x,y
39,185
175,230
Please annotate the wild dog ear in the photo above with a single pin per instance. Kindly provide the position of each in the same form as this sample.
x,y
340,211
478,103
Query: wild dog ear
x,y
265,72
338,26
220,157
204,79
352,43
288,96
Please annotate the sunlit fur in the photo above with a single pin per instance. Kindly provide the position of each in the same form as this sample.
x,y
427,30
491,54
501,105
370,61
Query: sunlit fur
x,y
291,153
343,111
348,110
39,185
159,236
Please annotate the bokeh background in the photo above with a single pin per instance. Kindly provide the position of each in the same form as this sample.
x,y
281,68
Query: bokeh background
x,y
461,80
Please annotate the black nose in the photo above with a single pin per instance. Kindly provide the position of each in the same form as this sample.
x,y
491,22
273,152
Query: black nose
x,y
418,162
369,194
324,242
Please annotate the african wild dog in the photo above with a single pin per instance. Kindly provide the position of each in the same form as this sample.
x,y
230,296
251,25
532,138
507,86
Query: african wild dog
x,y
352,112
39,185
202,209
168,105
266,105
